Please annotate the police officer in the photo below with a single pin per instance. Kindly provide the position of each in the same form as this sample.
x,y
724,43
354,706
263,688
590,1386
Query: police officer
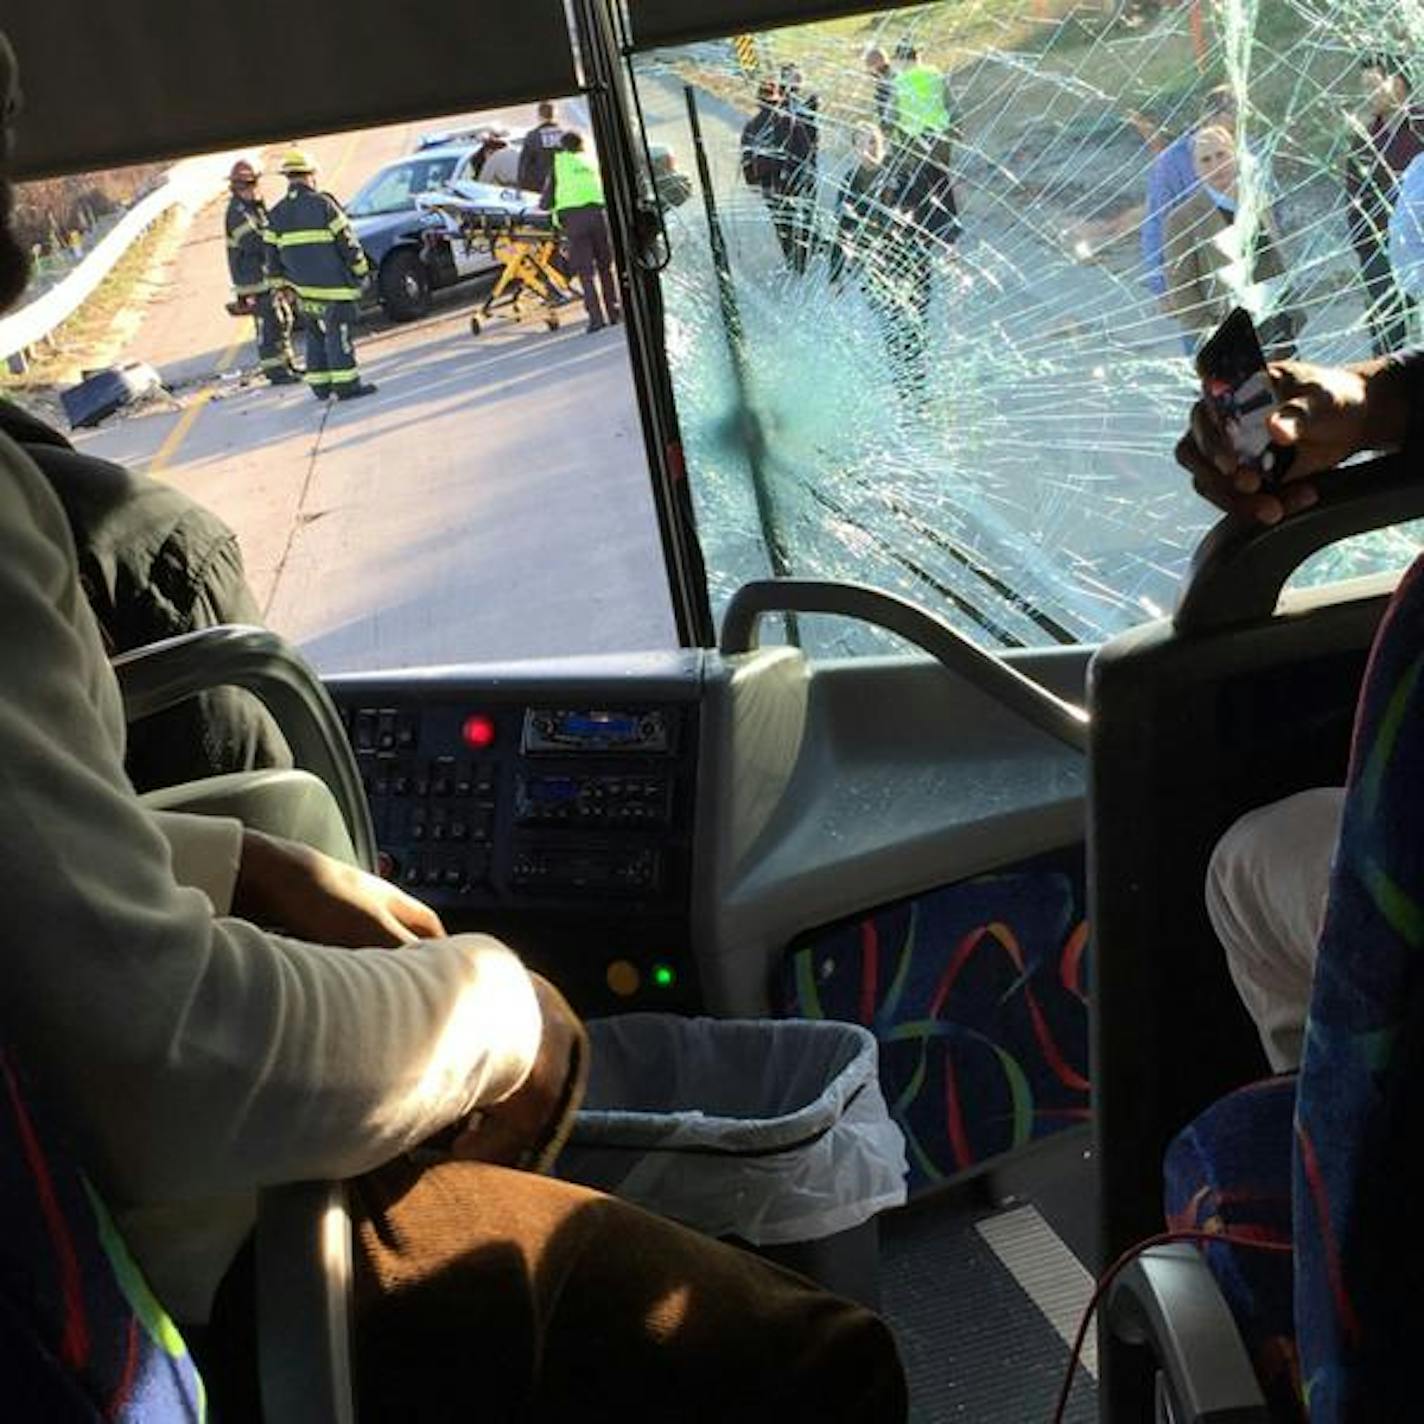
x,y
924,135
575,196
245,223
312,249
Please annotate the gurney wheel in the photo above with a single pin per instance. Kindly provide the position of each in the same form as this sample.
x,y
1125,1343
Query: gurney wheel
x,y
475,327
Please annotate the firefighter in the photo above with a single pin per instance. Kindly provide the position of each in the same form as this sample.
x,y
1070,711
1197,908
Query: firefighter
x,y
312,250
924,136
245,224
574,195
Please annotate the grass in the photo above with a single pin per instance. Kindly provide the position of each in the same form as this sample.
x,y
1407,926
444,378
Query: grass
x,y
1146,72
87,329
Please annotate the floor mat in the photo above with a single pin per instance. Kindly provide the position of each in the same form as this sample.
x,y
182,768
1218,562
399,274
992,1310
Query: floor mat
x,y
977,1347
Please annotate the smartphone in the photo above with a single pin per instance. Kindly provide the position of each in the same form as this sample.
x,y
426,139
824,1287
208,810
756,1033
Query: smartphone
x,y
1234,379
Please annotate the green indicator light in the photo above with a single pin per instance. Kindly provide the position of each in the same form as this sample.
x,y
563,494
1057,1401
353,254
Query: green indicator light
x,y
663,976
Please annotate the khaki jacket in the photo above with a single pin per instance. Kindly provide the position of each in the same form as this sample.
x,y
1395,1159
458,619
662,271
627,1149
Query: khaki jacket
x,y
1198,292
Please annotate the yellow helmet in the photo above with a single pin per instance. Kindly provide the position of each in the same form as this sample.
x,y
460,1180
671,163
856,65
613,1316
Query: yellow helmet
x,y
297,160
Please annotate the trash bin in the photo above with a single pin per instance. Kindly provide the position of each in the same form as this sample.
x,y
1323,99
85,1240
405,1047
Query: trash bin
x,y
769,1132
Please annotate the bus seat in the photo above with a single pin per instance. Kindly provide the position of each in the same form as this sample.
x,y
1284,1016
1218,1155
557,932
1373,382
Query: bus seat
x,y
1247,694
81,1336
303,1236
292,804
1333,1154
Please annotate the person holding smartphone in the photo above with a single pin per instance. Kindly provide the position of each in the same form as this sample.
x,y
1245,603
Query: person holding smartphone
x,y
1269,874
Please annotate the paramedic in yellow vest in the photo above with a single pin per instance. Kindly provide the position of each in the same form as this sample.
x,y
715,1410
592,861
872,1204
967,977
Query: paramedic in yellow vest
x,y
312,250
245,224
924,143
575,197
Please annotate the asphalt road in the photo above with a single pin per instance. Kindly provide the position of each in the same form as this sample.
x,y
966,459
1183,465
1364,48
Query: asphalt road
x,y
490,502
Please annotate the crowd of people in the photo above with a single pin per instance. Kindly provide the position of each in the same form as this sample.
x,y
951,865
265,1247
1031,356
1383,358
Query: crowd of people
x,y
896,213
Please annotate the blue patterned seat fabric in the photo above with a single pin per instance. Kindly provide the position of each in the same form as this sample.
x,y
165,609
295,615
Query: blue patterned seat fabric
x,y
82,1339
1230,1171
1334,1330
1358,1168
976,994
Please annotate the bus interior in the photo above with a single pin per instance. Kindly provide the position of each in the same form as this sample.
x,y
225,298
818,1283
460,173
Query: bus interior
x,y
965,685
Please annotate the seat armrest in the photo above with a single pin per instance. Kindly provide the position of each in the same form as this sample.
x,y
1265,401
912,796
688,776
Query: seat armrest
x,y
163,674
1168,1300
303,1295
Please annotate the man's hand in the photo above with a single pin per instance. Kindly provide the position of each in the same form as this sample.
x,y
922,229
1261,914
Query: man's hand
x,y
310,896
529,1128
1325,413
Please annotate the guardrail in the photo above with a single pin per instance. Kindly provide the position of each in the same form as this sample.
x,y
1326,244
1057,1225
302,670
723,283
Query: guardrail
x,y
190,185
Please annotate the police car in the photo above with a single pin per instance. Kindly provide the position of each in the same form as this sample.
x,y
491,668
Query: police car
x,y
409,249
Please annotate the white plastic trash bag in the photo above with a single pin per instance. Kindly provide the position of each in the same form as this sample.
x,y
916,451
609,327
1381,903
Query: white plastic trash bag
x,y
774,1130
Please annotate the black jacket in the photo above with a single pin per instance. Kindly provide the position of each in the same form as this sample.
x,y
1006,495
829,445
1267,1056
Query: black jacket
x,y
766,149
536,156
873,224
153,565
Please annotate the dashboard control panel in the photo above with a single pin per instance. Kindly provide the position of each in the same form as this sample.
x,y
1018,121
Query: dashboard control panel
x,y
561,824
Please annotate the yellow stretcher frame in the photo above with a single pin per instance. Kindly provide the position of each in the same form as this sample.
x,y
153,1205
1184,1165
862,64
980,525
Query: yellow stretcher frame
x,y
526,256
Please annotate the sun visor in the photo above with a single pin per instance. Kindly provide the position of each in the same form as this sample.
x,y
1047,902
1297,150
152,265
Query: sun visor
x,y
656,23
107,83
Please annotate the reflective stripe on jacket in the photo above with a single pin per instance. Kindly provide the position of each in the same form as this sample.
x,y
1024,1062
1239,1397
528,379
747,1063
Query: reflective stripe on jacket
x,y
311,247
919,101
576,182
246,249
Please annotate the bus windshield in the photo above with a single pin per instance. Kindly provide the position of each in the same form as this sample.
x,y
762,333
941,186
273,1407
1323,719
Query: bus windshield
x,y
930,321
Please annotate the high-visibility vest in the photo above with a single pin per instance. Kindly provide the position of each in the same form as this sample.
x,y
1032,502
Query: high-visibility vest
x,y
919,101
576,182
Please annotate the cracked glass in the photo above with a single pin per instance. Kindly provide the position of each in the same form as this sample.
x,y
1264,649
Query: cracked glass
x,y
931,305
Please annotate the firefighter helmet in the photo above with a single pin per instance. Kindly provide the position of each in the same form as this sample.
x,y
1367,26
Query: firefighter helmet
x,y
297,160
242,173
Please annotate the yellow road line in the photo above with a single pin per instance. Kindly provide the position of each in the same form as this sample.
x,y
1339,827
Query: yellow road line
x,y
179,433
175,437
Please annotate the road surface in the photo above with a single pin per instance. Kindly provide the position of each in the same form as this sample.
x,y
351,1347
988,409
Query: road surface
x,y
490,502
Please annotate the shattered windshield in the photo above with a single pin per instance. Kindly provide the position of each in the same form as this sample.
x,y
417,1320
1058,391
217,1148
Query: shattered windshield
x,y
931,321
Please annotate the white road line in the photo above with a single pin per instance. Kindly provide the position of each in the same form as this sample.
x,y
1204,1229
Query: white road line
x,y
1050,1274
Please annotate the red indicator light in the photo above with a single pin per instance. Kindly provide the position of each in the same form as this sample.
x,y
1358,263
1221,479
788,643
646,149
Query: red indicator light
x,y
478,731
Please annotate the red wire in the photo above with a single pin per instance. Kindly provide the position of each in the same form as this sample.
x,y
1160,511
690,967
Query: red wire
x,y
1166,1238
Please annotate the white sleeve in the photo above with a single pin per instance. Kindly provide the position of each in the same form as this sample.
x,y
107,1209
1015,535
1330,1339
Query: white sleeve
x,y
198,1055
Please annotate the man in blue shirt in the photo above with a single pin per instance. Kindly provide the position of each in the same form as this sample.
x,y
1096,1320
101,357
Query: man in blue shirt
x,y
1406,232
1173,178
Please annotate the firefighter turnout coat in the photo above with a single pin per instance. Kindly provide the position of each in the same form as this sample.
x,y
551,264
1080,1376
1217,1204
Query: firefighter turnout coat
x,y
312,249
246,225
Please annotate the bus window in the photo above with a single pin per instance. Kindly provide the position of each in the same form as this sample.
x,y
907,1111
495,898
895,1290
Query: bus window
x,y
930,320
490,502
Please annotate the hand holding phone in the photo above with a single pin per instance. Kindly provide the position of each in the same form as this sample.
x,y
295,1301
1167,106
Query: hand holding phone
x,y
1237,384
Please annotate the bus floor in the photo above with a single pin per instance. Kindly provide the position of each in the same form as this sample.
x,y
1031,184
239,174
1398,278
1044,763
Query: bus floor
x,y
984,1284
